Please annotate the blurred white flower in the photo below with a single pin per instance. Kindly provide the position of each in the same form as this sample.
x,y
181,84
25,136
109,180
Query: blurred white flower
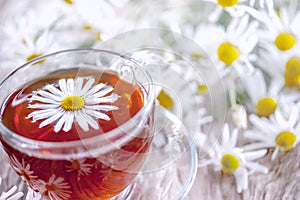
x,y
24,39
230,48
280,131
283,69
228,158
281,26
233,7
263,98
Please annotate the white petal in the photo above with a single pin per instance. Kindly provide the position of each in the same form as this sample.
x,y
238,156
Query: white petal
x,y
70,86
256,146
43,106
48,95
51,119
294,117
256,167
92,122
274,154
42,99
54,90
102,107
78,85
241,179
108,99
60,123
63,86
69,121
225,135
87,86
95,89
104,92
214,16
253,155
242,27
96,114
81,121
233,139
42,114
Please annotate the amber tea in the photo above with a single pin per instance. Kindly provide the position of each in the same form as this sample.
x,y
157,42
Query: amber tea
x,y
77,105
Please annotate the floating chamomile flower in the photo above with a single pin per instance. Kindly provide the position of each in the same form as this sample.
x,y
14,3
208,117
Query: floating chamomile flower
x,y
281,27
233,7
230,48
228,158
281,131
71,100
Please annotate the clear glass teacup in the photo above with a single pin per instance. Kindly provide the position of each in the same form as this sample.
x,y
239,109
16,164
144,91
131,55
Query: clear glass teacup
x,y
77,124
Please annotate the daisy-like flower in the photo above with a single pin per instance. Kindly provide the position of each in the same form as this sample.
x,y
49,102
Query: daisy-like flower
x,y
71,100
23,170
79,166
281,27
230,48
285,70
54,189
228,158
30,37
233,7
281,131
264,99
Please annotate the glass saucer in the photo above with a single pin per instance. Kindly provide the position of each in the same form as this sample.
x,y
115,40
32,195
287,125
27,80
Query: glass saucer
x,y
168,173
171,166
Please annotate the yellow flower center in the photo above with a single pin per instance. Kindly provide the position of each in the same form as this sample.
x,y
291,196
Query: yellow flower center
x,y
165,100
69,2
265,107
202,88
285,41
228,53
33,56
230,163
87,27
285,140
227,3
72,103
292,72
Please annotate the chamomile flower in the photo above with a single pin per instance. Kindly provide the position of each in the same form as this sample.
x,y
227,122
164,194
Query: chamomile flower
x,y
228,158
28,38
285,70
79,166
233,7
281,27
71,100
264,98
55,188
230,47
23,170
281,131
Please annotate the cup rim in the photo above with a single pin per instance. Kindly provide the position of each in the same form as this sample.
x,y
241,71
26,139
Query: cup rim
x,y
36,144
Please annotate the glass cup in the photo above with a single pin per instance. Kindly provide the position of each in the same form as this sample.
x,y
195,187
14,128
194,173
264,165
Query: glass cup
x,y
77,124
